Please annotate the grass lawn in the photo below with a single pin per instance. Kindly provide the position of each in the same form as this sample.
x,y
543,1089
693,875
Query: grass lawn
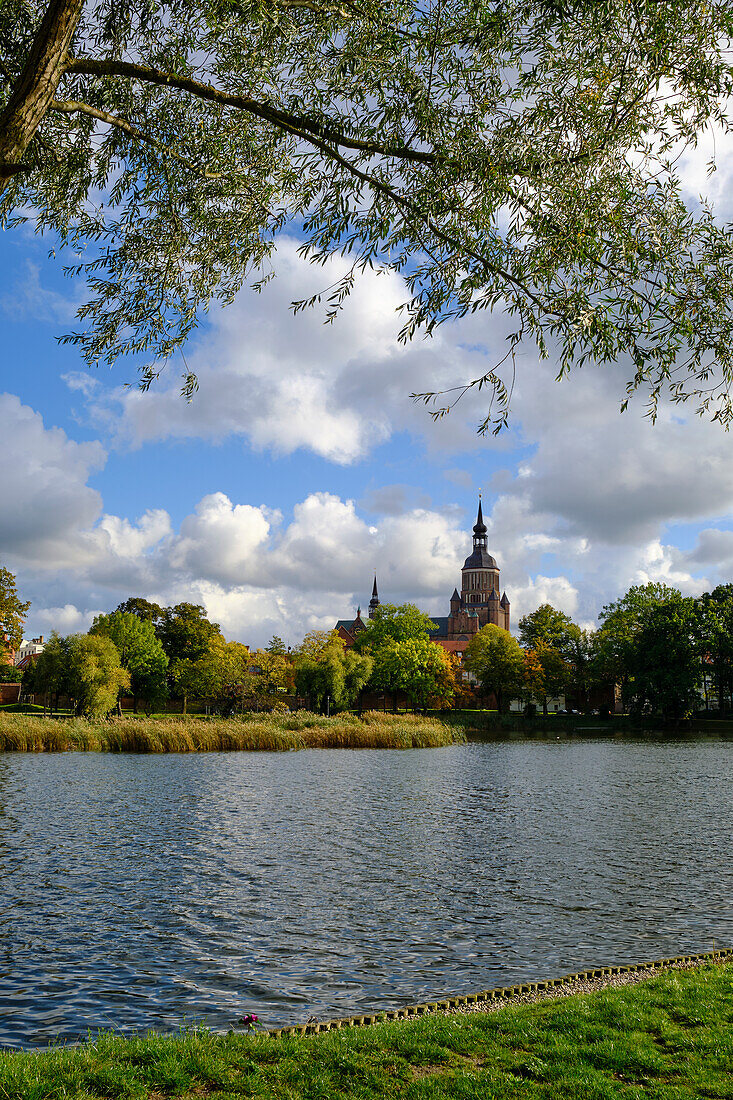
x,y
668,1037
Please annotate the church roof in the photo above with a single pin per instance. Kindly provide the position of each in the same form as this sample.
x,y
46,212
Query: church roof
x,y
455,595
504,601
441,630
480,559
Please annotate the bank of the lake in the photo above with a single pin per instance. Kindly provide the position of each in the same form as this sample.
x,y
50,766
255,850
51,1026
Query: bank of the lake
x,y
669,1038
479,724
253,732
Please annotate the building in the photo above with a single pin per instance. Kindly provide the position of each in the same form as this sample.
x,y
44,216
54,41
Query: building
x,y
347,629
477,604
28,651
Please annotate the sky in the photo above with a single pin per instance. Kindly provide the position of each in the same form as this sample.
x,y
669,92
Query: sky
x,y
302,465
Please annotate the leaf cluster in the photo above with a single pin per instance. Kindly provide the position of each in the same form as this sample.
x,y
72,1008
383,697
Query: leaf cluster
x,y
520,156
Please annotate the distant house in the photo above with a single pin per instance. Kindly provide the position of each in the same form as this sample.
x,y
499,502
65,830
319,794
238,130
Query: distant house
x,y
29,651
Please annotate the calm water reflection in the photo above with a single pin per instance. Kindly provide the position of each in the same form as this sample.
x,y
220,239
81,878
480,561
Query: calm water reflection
x,y
140,891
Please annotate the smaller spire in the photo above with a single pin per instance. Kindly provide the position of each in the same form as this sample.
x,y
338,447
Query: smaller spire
x,y
494,595
504,601
374,602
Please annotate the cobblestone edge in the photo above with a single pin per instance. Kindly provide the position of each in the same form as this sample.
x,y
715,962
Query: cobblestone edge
x,y
488,999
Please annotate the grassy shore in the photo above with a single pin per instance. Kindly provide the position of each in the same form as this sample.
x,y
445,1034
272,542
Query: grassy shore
x,y
274,733
668,1038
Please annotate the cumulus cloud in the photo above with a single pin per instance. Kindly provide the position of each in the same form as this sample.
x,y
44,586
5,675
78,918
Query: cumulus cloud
x,y
285,382
46,501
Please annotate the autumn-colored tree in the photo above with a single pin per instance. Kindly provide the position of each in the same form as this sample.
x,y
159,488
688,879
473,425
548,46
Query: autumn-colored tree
x,y
546,673
13,611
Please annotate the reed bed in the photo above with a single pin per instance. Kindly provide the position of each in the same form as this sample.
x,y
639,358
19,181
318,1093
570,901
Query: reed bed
x,y
253,732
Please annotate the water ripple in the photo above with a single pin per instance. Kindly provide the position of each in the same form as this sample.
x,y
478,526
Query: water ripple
x,y
142,892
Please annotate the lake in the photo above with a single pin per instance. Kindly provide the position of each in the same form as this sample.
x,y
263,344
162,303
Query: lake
x,y
145,892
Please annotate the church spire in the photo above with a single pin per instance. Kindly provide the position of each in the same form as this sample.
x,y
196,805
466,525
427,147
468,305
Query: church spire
x,y
479,529
374,602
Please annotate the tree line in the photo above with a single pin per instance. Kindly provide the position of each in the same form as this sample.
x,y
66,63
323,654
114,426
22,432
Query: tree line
x,y
666,654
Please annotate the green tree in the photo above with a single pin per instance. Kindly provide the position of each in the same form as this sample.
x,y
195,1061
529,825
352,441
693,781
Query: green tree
x,y
496,659
327,674
395,623
492,154
84,667
12,614
185,632
143,609
276,645
415,665
263,676
550,627
664,661
583,669
197,678
715,610
141,653
9,674
621,623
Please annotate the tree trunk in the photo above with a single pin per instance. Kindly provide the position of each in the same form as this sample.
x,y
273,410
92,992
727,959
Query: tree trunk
x,y
185,705
544,706
36,85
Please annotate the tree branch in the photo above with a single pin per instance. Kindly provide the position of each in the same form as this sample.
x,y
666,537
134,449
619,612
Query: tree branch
x,y
295,124
37,85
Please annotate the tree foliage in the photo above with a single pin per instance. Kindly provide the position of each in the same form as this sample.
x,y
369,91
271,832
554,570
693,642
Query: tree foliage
x,y
398,623
549,627
621,624
496,659
84,667
715,613
141,653
520,156
185,632
13,611
415,665
143,609
664,665
327,674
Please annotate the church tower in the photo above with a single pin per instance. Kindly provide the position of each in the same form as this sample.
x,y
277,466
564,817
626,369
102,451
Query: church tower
x,y
480,573
479,602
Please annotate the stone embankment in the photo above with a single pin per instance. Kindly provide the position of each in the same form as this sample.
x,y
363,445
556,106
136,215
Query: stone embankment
x,y
490,1000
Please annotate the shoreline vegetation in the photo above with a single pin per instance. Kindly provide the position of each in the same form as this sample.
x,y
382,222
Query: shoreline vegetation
x,y
668,1036
253,732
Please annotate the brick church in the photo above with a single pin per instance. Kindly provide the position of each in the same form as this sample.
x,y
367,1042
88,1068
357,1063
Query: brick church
x,y
477,604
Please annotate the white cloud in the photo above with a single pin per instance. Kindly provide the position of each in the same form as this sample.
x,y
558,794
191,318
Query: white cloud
x,y
46,498
285,382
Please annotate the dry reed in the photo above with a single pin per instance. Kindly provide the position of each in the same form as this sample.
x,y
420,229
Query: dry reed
x,y
253,732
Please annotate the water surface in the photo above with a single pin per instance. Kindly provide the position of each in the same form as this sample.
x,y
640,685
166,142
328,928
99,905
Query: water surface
x,y
152,891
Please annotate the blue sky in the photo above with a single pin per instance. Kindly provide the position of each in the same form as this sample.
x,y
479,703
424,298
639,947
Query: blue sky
x,y
302,465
